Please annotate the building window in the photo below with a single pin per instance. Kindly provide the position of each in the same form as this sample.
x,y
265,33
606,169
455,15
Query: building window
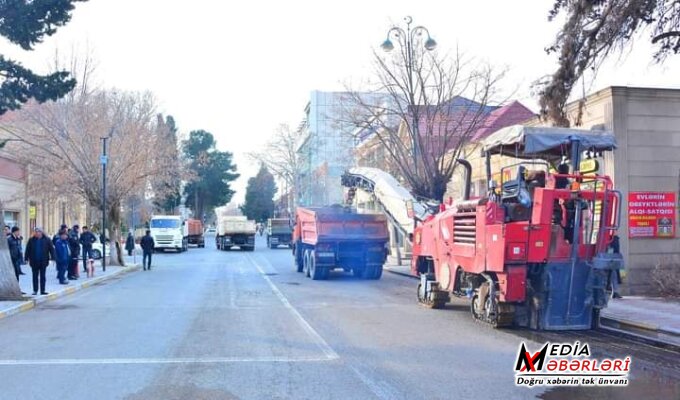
x,y
11,218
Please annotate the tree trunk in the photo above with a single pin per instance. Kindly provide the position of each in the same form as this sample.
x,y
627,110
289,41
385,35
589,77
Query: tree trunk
x,y
9,286
115,249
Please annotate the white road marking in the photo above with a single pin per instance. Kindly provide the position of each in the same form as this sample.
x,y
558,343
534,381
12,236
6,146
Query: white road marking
x,y
232,291
198,360
381,390
328,351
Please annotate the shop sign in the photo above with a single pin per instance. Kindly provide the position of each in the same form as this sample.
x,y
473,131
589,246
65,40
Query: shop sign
x,y
651,214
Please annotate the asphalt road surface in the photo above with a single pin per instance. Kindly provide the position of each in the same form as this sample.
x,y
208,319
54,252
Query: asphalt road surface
x,y
237,325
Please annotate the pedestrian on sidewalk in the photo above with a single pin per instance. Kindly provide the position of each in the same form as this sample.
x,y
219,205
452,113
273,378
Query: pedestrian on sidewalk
x,y
39,252
87,238
14,244
63,253
147,245
90,268
63,227
130,243
74,247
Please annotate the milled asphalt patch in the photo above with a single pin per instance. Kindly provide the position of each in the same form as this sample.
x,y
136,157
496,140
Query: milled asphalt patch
x,y
29,304
658,336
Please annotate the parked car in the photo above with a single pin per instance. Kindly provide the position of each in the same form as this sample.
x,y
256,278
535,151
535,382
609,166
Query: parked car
x,y
97,251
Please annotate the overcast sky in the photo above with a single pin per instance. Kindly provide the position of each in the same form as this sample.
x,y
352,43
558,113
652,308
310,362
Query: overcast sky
x,y
238,69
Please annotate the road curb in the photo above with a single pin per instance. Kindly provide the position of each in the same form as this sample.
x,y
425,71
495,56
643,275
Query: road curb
x,y
394,271
639,329
29,304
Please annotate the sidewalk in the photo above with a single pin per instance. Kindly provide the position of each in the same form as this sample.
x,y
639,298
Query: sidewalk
x,y
655,319
55,290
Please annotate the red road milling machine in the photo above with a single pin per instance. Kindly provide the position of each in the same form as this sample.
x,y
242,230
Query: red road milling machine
x,y
534,251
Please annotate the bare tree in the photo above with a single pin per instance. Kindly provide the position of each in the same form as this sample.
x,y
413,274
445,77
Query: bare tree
x,y
591,32
279,155
421,106
9,286
61,141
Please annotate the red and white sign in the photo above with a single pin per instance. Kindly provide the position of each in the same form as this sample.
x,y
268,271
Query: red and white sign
x,y
651,214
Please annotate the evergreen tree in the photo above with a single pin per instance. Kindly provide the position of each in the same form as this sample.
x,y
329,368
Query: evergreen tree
x,y
212,171
260,193
26,23
594,30
168,196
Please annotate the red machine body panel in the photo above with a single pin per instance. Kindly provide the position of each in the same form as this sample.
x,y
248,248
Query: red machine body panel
x,y
475,238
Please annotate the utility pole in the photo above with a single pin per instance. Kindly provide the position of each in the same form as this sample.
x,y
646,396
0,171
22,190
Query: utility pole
x,y
104,159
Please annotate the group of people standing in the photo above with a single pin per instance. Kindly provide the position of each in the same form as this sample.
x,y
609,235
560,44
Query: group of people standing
x,y
64,249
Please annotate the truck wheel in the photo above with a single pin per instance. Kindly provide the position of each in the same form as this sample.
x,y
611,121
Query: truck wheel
x,y
372,271
367,272
358,272
297,264
377,272
305,263
315,272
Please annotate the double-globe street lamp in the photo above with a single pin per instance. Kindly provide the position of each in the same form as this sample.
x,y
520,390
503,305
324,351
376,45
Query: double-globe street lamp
x,y
408,38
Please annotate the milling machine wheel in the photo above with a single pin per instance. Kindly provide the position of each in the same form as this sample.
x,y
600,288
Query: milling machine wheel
x,y
497,315
438,303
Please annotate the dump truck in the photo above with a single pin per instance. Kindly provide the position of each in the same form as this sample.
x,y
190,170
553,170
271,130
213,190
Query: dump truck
x,y
279,232
235,231
336,237
195,229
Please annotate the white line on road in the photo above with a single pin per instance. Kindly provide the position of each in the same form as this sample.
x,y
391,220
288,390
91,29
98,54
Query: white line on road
x,y
198,360
328,351
381,390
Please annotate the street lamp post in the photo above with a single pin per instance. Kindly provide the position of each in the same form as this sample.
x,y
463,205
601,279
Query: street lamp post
x,y
408,43
104,160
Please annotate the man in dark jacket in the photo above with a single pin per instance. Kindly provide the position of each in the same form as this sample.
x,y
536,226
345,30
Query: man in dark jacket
x,y
39,252
63,256
63,227
14,244
147,245
130,243
87,238
74,248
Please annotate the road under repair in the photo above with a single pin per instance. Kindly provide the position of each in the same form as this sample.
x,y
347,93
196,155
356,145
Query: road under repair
x,y
207,324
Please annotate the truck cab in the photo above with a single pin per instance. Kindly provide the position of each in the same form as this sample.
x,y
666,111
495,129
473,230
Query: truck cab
x,y
279,232
169,232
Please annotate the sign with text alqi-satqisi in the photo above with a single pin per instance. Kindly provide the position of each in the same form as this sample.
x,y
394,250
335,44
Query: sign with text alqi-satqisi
x,y
651,214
